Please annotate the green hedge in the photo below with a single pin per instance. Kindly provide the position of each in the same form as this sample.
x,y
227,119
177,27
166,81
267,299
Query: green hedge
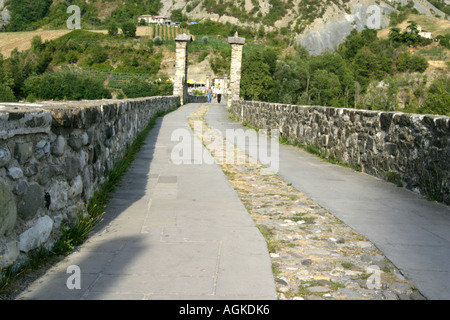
x,y
65,86
6,94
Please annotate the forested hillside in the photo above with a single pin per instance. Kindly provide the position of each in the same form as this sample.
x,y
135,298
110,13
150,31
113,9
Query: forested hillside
x,y
31,14
84,65
365,72
391,69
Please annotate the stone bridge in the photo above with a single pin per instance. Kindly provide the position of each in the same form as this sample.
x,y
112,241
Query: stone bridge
x,y
181,231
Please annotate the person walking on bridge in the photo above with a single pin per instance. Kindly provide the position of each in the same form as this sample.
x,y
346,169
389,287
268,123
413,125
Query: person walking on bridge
x,y
219,94
209,94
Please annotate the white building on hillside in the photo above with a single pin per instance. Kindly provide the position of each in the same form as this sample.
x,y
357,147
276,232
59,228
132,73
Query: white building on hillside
x,y
150,19
424,33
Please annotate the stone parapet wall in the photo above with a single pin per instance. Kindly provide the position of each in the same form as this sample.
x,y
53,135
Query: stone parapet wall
x,y
54,156
197,99
411,150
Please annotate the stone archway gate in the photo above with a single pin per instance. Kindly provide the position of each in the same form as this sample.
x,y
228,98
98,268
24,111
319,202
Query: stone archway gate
x,y
181,67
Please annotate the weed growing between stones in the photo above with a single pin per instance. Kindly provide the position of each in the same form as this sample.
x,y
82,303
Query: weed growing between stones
x,y
5,277
75,234
272,244
393,178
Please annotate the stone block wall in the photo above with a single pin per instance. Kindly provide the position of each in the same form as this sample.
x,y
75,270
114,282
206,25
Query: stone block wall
x,y
237,45
411,150
197,99
54,156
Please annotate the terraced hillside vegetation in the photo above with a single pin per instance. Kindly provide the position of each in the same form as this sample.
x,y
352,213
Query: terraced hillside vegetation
x,y
393,68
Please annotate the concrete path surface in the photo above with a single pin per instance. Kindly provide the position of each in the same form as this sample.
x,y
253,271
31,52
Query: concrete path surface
x,y
171,231
412,232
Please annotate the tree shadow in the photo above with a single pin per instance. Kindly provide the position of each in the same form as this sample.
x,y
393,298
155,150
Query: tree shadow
x,y
106,239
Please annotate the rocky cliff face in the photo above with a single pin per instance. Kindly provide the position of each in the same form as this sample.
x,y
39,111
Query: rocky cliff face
x,y
331,30
4,14
324,25
318,25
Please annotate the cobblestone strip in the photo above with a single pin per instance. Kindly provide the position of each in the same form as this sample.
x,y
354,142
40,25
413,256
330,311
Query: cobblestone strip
x,y
314,255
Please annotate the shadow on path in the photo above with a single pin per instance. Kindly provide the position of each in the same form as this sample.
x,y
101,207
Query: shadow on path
x,y
411,231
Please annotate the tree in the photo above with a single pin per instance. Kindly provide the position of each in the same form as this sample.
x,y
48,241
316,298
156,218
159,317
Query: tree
x,y
348,83
438,97
408,63
157,41
36,44
65,85
350,47
256,80
395,35
112,28
367,66
42,60
136,88
412,27
19,66
419,64
25,13
369,35
2,70
6,94
99,55
270,58
292,76
178,16
411,35
328,61
261,32
325,87
129,29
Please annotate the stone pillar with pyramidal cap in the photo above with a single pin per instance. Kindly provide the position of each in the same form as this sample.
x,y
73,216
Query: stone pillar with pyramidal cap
x,y
179,84
237,45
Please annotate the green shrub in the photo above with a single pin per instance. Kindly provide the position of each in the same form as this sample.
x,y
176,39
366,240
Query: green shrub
x,y
71,56
408,63
65,86
113,29
138,87
6,94
99,55
157,41
26,13
129,29
438,97
444,40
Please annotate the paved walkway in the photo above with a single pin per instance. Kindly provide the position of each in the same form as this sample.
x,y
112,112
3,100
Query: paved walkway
x,y
411,231
180,231
170,232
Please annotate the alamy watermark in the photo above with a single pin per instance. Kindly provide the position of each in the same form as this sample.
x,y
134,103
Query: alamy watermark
x,y
74,280
74,21
259,147
373,14
373,20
